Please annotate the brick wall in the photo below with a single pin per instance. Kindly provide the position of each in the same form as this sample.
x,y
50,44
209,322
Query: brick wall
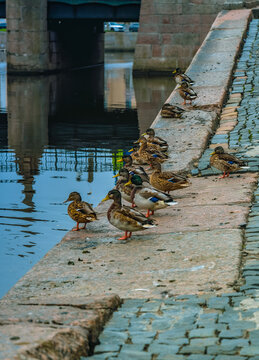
x,y
171,31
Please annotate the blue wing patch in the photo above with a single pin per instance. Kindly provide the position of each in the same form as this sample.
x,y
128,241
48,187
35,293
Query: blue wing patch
x,y
155,155
172,180
132,173
154,199
231,162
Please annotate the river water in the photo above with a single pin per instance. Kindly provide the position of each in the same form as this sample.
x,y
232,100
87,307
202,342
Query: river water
x,y
58,134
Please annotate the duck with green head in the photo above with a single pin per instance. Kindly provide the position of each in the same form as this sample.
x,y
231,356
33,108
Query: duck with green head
x,y
149,199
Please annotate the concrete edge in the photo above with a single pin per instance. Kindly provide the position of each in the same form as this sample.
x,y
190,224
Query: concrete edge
x,y
197,60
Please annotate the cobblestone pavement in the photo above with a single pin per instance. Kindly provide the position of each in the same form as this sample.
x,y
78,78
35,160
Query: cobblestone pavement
x,y
205,327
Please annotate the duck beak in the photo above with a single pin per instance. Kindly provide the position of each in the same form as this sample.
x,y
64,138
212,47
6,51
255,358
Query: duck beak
x,y
130,150
212,153
128,183
106,198
116,175
65,201
144,134
120,160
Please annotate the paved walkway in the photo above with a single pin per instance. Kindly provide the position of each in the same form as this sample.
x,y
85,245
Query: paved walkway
x,y
205,327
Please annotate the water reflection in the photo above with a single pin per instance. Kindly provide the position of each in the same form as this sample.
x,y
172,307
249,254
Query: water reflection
x,y
63,133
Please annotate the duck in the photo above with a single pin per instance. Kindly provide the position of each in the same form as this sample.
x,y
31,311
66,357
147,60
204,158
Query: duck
x,y
124,217
225,162
166,180
171,111
80,211
136,158
152,138
181,77
134,169
151,147
145,153
149,199
125,190
187,93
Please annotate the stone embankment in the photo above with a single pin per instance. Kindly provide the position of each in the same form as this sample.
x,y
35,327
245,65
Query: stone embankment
x,y
181,284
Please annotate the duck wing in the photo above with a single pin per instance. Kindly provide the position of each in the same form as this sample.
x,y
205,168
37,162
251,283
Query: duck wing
x,y
85,208
134,214
155,195
231,159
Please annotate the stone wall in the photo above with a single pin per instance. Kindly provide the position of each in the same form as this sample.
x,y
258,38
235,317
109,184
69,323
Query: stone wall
x,y
27,35
120,41
171,31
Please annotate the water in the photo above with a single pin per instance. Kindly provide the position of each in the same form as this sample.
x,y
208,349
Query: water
x,y
63,133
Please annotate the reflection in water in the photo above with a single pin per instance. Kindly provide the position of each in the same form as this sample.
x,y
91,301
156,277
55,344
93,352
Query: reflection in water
x,y
63,133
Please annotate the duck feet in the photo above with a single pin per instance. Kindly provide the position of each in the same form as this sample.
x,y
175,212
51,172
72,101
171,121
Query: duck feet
x,y
77,227
223,176
126,236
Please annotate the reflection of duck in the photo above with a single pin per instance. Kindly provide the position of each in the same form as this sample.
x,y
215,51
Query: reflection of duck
x,y
125,218
181,77
80,211
171,111
226,162
166,180
187,93
149,199
152,138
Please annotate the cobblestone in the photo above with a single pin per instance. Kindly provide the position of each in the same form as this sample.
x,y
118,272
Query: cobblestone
x,y
222,327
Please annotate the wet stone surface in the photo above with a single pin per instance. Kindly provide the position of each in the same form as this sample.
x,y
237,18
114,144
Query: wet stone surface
x,y
205,327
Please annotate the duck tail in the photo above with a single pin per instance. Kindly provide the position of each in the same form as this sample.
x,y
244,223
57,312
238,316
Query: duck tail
x,y
244,167
171,202
149,226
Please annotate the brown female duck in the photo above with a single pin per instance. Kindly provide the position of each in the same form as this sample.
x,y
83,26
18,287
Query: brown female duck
x,y
146,154
153,139
166,180
134,169
171,111
225,162
80,211
187,93
181,77
125,218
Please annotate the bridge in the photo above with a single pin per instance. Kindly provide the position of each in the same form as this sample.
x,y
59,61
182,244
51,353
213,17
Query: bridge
x,y
106,10
52,35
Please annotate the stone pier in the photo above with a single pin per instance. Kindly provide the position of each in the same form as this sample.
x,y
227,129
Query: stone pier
x,y
27,36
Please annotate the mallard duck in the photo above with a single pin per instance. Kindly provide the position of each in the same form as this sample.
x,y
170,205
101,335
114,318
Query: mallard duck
x,y
150,146
136,158
225,162
187,93
125,218
171,111
80,211
145,153
149,199
152,138
134,169
166,180
181,77
124,189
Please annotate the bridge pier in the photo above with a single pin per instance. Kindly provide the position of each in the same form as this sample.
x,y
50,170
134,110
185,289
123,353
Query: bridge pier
x,y
27,36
